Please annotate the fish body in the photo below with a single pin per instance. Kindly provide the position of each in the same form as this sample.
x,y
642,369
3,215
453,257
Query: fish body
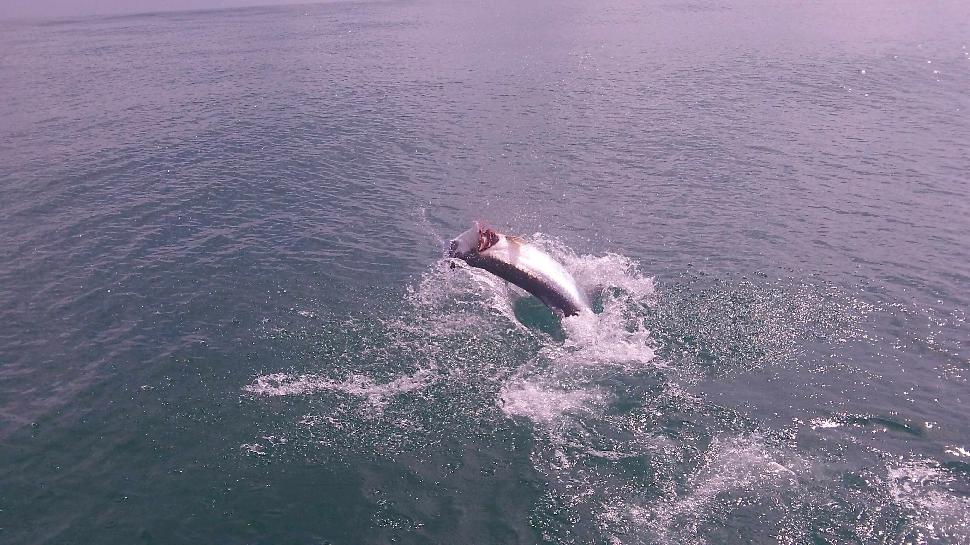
x,y
515,260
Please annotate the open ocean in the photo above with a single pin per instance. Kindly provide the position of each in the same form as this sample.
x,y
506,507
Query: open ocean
x,y
226,318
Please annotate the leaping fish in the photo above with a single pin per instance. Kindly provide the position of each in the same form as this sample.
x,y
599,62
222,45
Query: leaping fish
x,y
515,260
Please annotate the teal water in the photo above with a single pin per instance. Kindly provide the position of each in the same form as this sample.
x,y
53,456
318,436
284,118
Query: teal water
x,y
225,316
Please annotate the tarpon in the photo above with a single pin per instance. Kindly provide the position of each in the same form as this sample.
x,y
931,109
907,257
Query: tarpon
x,y
515,260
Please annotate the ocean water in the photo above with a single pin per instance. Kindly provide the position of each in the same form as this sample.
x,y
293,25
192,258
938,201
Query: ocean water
x,y
225,315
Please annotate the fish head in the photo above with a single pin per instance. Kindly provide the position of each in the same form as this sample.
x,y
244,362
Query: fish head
x,y
473,241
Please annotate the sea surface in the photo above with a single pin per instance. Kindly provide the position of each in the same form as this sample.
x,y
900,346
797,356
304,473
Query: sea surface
x,y
226,316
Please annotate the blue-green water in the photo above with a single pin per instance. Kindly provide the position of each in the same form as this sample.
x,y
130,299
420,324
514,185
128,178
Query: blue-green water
x,y
225,316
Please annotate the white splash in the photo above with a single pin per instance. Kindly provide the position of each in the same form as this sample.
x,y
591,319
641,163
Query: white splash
x,y
617,334
824,423
376,394
925,489
737,464
542,403
958,451
606,338
447,295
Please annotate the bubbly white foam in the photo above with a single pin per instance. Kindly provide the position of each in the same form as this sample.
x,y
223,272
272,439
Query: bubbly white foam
x,y
376,394
924,488
606,338
732,468
542,403
958,451
617,334
254,448
824,423
447,297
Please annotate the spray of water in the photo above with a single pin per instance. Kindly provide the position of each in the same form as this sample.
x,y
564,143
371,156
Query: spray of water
x,y
628,452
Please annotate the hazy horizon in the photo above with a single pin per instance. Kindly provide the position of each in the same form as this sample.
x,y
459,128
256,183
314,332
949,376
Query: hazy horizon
x,y
26,9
